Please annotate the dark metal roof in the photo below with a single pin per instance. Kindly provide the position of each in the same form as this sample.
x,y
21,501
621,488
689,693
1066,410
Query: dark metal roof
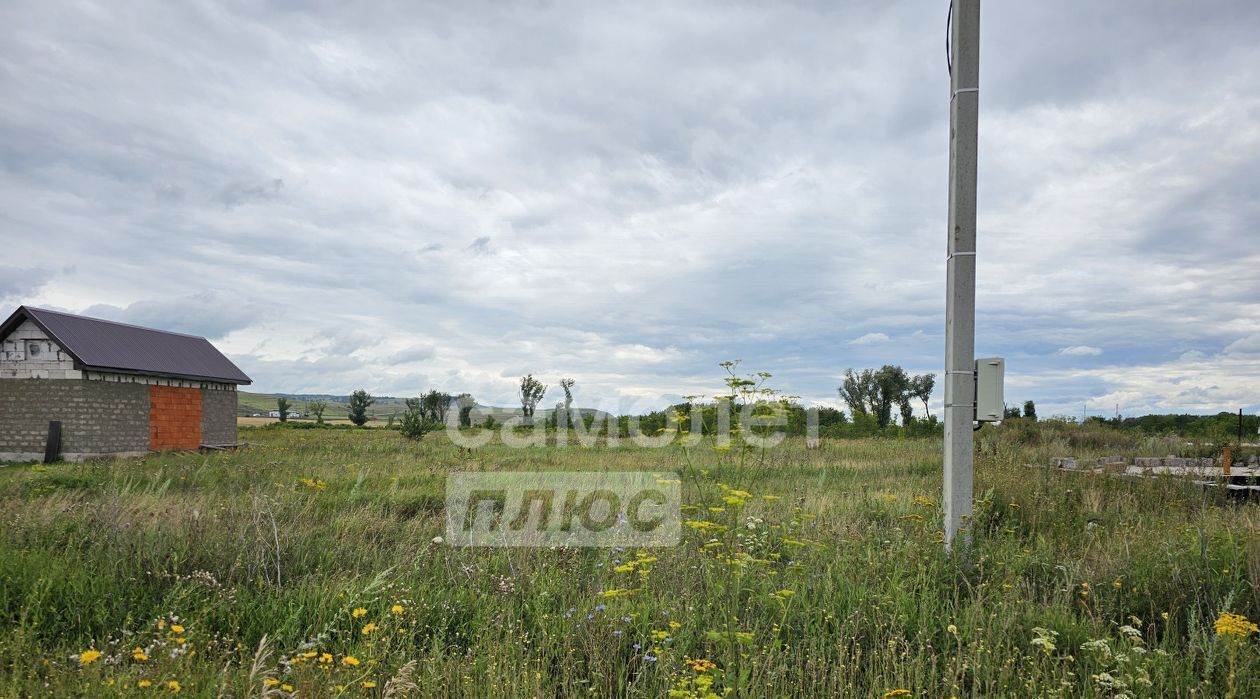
x,y
103,345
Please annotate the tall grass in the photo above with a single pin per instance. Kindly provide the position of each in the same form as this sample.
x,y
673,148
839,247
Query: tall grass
x,y
834,585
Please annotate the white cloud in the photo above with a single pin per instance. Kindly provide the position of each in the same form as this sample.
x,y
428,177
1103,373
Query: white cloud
x,y
1080,351
870,339
1246,346
1206,384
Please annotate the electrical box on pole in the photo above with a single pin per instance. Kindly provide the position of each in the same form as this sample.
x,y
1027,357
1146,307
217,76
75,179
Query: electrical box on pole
x,y
990,401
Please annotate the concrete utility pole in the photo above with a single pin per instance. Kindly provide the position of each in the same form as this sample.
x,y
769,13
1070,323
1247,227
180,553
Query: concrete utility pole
x,y
960,265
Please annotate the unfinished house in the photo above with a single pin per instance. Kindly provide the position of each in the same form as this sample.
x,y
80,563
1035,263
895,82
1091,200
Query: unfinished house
x,y
79,388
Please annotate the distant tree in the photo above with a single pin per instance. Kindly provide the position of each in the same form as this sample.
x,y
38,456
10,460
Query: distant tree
x,y
857,390
434,406
1030,409
466,404
532,391
360,401
921,386
415,422
567,385
1010,411
906,408
317,408
875,391
830,416
892,385
282,406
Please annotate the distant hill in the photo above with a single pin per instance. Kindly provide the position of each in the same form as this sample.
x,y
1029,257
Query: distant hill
x,y
338,406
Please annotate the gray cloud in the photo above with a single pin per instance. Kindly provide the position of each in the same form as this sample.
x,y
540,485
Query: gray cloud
x,y
17,283
169,193
415,353
239,193
648,191
208,314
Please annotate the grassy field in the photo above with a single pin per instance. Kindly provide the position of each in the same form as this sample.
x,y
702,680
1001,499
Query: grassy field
x,y
261,421
306,566
338,407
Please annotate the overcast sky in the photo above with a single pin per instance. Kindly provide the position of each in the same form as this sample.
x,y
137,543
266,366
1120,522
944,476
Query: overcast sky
x,y
448,195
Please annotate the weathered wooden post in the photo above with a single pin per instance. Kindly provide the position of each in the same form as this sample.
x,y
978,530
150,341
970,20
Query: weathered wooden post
x,y
52,447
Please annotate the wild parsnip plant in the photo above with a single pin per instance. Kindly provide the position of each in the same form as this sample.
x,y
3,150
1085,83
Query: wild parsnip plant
x,y
312,564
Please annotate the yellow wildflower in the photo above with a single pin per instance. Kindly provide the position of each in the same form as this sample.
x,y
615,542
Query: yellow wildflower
x,y
359,613
350,661
369,628
144,683
174,686
88,657
367,684
1235,625
271,682
616,592
176,628
896,693
701,665
397,609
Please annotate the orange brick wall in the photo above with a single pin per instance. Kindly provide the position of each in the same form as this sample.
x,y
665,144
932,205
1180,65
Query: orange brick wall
x,y
174,418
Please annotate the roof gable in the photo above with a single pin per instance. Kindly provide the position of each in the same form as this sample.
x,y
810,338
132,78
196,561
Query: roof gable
x,y
105,345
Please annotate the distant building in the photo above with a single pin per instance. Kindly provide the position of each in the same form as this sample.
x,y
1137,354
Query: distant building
x,y
116,389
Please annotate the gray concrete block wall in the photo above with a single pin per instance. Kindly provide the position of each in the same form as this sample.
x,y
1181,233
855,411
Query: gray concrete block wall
x,y
218,417
27,353
98,418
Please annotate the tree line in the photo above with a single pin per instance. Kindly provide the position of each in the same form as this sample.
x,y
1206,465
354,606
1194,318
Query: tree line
x,y
870,394
876,392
